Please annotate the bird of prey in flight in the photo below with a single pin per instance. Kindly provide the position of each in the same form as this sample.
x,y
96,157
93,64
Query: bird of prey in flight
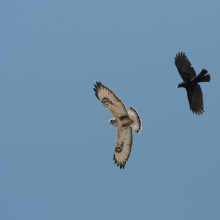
x,y
123,120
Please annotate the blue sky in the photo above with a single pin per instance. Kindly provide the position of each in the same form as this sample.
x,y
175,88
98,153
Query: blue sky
x,y
56,144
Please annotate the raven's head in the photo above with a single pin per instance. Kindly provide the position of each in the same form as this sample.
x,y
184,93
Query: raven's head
x,y
183,84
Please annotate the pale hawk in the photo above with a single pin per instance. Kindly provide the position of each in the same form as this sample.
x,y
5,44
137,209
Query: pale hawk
x,y
123,120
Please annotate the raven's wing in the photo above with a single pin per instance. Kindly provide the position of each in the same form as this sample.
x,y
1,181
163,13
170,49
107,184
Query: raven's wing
x,y
110,100
195,98
184,66
123,145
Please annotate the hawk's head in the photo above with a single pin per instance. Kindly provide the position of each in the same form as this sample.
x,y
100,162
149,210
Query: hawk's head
x,y
113,121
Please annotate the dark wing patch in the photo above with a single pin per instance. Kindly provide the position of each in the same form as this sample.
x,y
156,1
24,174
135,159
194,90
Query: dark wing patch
x,y
110,100
195,98
123,146
184,66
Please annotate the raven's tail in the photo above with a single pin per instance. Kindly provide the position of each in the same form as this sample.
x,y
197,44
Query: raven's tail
x,y
202,77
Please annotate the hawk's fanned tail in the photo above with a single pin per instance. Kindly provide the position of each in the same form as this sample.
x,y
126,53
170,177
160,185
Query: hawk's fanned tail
x,y
134,116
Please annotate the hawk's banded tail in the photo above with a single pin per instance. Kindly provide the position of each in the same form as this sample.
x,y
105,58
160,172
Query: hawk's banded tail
x,y
134,116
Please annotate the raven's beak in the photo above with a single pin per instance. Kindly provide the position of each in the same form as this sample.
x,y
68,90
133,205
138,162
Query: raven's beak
x,y
177,87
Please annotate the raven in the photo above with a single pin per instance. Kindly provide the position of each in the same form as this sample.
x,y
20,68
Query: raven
x,y
190,82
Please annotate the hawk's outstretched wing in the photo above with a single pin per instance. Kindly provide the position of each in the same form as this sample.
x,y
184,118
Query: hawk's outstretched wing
x,y
195,98
110,100
123,145
184,66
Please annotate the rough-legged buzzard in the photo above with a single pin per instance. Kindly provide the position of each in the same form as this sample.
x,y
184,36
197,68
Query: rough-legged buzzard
x,y
123,120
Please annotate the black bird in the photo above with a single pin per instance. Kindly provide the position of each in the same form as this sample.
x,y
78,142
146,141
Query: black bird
x,y
190,83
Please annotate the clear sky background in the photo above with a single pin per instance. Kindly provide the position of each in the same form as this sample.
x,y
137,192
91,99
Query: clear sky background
x,y
56,145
